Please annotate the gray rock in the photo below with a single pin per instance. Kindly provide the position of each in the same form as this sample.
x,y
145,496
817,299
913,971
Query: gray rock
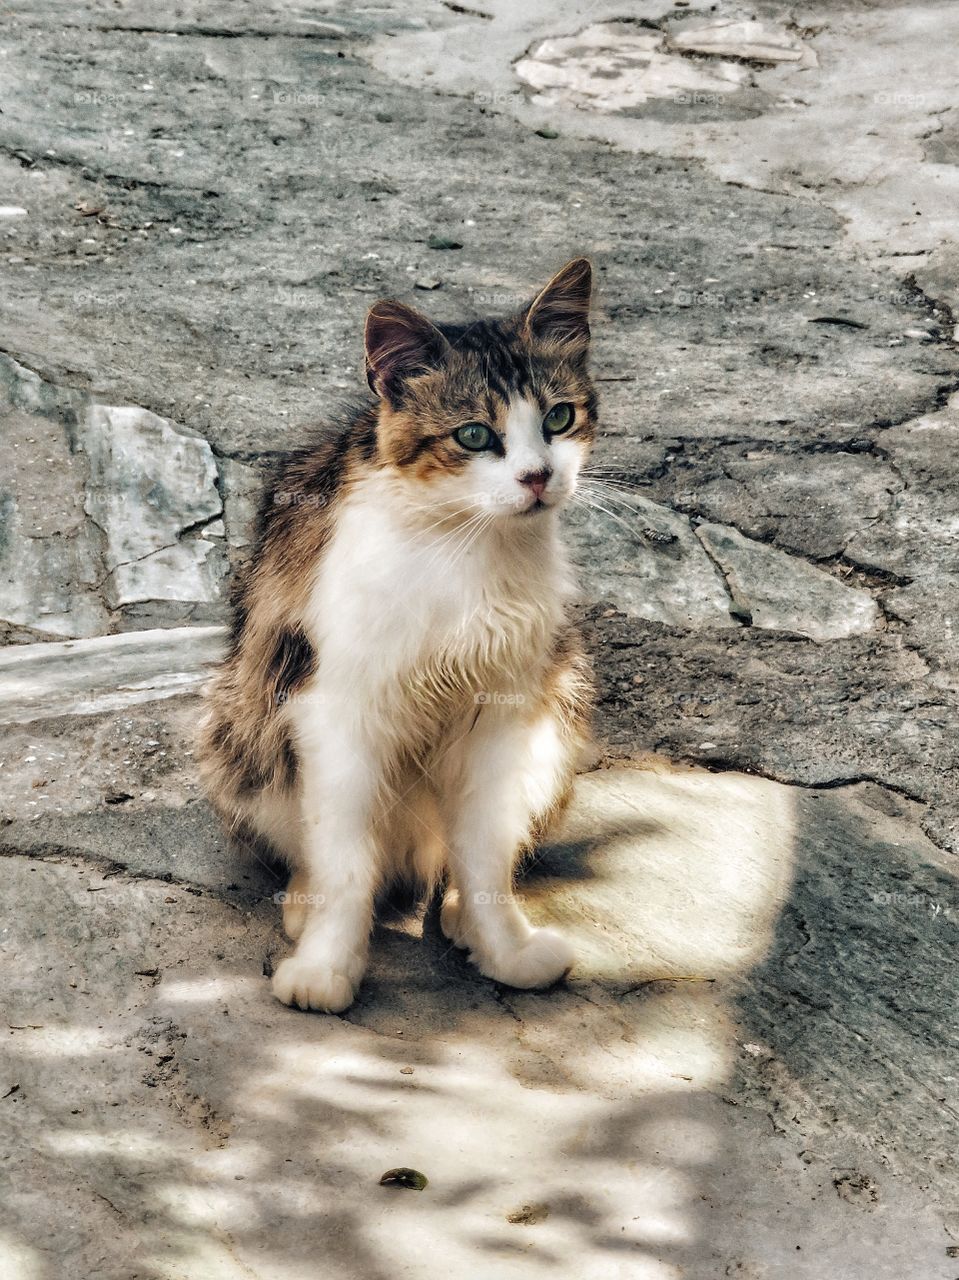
x,y
241,489
149,484
755,41
617,66
104,673
646,560
780,592
50,564
192,570
49,584
104,508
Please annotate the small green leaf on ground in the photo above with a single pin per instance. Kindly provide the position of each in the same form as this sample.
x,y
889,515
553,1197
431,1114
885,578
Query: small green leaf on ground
x,y
411,1178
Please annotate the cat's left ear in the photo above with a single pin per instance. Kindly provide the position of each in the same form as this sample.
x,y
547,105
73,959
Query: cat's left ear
x,y
560,312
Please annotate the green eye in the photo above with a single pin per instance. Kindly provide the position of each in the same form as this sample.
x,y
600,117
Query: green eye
x,y
559,419
474,436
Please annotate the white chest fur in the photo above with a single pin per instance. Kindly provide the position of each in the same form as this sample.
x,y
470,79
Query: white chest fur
x,y
392,600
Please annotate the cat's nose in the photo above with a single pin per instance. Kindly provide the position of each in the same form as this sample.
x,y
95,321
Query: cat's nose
x,y
536,480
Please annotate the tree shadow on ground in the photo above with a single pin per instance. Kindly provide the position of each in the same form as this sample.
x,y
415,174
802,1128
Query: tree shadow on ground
x,y
594,1127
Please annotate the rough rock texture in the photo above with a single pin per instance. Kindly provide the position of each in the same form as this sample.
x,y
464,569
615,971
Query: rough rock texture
x,y
148,485
105,673
751,1072
109,507
782,593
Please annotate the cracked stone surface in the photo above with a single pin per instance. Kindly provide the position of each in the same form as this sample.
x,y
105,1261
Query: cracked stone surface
x,y
147,485
752,41
783,593
613,67
107,507
752,1070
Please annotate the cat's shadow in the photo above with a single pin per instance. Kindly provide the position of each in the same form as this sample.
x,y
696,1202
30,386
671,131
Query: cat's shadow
x,y
417,975
570,859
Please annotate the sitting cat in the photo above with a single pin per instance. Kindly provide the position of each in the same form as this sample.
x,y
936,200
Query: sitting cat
x,y
403,695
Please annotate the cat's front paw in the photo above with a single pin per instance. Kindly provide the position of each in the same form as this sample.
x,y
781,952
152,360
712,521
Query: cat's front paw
x,y
542,960
303,982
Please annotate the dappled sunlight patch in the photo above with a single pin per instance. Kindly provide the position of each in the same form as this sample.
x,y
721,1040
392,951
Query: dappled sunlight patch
x,y
129,1144
238,1160
226,1208
205,989
50,1041
21,1261
687,873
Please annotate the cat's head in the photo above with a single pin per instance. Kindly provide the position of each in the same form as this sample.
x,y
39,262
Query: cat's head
x,y
496,416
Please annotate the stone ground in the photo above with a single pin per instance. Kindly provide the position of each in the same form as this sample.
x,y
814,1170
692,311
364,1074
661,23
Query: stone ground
x,y
752,1070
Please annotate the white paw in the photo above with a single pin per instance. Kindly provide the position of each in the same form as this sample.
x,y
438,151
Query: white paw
x,y
303,982
538,962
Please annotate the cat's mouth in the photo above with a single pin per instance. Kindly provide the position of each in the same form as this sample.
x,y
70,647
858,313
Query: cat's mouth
x,y
535,506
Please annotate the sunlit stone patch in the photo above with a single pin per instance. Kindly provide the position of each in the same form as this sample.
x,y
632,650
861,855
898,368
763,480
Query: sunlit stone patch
x,y
616,66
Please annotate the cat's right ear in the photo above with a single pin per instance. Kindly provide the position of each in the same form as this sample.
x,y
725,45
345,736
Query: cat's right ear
x,y
399,343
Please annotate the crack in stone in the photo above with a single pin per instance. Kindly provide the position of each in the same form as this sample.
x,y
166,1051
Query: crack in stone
x,y
739,609
222,33
67,855
125,181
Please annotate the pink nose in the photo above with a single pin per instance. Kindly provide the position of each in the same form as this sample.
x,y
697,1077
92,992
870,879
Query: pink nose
x,y
536,480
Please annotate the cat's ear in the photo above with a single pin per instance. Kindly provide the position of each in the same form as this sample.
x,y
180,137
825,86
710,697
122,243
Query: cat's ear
x,y
560,312
399,343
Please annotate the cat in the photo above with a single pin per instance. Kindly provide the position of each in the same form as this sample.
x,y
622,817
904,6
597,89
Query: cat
x,y
403,695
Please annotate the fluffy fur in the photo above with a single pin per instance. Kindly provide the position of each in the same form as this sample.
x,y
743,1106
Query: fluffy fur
x,y
403,695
